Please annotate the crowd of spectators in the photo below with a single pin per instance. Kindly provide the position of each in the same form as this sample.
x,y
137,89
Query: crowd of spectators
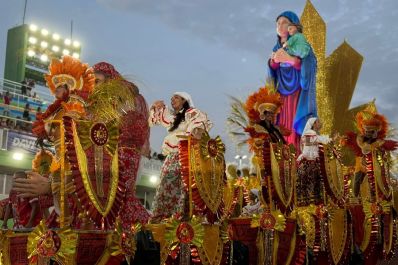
x,y
27,87
19,123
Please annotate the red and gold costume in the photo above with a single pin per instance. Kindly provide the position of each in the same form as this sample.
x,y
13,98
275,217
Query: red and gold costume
x,y
99,137
267,142
133,142
22,210
373,220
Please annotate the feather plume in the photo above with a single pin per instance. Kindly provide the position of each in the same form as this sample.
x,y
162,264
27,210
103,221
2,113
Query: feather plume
x,y
111,100
237,121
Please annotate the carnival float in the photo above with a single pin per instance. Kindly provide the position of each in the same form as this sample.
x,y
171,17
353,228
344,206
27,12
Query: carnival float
x,y
333,202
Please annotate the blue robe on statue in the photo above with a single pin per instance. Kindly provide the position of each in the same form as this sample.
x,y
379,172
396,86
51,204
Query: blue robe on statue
x,y
288,79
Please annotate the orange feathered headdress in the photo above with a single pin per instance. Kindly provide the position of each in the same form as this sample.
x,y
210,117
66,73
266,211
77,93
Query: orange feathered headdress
x,y
369,119
79,77
262,100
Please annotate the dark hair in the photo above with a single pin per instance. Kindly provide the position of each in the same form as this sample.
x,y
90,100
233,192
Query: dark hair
x,y
312,127
239,172
180,116
63,86
298,26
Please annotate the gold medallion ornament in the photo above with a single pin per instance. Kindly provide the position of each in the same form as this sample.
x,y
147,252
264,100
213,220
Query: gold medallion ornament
x,y
121,243
269,220
190,232
99,134
58,245
371,209
212,148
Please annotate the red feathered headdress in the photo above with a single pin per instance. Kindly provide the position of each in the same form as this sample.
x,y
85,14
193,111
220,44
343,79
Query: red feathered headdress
x,y
369,119
262,100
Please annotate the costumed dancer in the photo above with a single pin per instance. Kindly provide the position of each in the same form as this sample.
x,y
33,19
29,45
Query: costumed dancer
x,y
182,120
71,82
309,188
102,144
293,70
257,119
274,161
133,143
371,139
374,217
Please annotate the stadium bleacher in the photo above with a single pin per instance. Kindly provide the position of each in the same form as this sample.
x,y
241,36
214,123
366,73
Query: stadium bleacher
x,y
14,111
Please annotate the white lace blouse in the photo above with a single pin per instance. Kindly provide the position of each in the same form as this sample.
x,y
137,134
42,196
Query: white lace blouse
x,y
194,118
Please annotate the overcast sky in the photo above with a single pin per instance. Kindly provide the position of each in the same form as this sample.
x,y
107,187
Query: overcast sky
x,y
213,48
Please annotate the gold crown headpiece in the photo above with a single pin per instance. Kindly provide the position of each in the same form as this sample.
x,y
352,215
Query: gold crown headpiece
x,y
268,106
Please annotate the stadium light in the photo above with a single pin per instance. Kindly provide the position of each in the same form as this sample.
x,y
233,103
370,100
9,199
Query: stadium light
x,y
67,42
65,52
17,156
76,44
154,179
44,44
56,36
76,55
55,48
44,58
32,40
33,27
31,53
44,32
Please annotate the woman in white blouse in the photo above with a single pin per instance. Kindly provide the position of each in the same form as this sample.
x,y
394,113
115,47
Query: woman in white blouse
x,y
183,119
